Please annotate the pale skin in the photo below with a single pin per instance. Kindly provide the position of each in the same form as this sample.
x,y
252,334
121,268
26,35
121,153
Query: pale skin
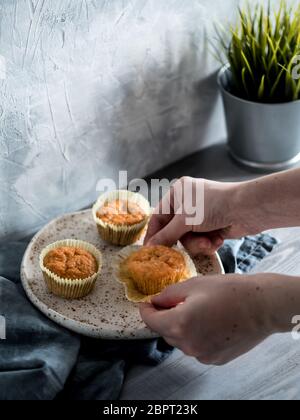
x,y
219,318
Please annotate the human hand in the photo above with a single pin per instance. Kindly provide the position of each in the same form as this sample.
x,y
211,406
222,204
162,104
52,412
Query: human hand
x,y
224,217
218,318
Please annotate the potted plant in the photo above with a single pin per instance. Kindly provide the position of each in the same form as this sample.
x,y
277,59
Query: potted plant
x,y
260,94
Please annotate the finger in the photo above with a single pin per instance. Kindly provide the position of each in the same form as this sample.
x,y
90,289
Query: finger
x,y
171,233
180,345
206,244
205,361
174,295
217,240
157,223
171,341
195,243
162,215
157,320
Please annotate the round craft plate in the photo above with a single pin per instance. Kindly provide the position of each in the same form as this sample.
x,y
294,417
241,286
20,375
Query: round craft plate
x,y
105,313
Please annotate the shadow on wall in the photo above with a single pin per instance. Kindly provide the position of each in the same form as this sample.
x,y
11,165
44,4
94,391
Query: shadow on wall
x,y
167,106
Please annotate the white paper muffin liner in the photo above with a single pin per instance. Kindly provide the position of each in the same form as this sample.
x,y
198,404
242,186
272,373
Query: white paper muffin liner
x,y
121,235
67,288
131,292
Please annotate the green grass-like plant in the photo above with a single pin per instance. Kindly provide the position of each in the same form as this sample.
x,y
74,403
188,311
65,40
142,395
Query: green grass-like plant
x,y
262,52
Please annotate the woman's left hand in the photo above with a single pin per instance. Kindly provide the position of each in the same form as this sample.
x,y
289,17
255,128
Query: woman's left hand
x,y
218,318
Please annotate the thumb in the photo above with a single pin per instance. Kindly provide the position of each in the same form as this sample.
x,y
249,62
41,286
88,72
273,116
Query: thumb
x,y
171,233
174,295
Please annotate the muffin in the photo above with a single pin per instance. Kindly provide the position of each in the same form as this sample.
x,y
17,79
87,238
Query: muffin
x,y
121,217
147,271
70,268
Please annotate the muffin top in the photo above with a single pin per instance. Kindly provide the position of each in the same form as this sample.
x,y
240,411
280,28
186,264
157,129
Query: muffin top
x,y
155,266
121,212
71,263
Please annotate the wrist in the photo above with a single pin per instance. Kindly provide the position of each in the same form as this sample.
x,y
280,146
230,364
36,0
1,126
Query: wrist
x,y
247,209
269,202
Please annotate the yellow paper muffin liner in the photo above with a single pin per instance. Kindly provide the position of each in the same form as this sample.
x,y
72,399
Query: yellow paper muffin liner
x,y
131,291
121,235
67,288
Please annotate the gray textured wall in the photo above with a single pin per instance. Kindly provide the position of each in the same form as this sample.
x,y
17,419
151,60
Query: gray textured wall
x,y
94,86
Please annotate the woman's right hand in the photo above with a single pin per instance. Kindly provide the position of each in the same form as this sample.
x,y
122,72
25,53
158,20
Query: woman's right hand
x,y
225,216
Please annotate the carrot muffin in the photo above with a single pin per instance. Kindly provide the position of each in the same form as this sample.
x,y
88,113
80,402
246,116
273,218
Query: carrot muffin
x,y
146,271
70,268
121,217
121,212
71,263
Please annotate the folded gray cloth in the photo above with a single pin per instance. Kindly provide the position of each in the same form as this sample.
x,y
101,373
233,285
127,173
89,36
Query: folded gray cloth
x,y
241,256
41,361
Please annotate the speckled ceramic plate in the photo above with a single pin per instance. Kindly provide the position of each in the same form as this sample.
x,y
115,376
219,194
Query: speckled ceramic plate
x,y
105,313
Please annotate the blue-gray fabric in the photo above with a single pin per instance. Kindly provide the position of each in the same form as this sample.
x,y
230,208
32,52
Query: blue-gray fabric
x,y
241,256
42,361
